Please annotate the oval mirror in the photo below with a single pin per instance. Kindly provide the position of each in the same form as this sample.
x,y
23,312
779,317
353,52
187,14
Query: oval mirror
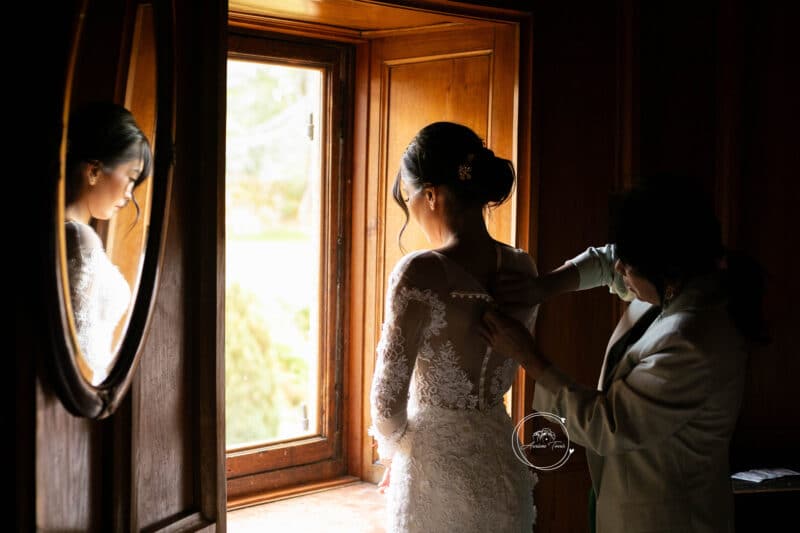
x,y
112,198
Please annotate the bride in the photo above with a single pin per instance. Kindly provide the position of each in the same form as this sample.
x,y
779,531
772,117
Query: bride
x,y
107,156
437,393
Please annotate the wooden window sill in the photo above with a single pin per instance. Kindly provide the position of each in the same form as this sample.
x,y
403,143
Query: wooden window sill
x,y
357,507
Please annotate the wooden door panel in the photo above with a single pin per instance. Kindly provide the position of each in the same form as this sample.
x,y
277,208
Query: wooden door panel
x,y
457,90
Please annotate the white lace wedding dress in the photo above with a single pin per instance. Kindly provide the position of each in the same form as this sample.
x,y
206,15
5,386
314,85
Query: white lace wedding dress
x,y
437,403
100,296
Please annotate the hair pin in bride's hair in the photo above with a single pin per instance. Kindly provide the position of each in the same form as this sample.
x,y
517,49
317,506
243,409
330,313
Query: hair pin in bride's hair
x,y
465,169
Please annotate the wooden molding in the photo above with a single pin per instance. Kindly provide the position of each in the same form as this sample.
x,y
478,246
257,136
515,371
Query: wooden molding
x,y
317,30
194,521
450,7
413,30
282,494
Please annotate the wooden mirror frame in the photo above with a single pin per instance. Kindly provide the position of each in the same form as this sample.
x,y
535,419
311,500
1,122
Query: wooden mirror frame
x,y
78,396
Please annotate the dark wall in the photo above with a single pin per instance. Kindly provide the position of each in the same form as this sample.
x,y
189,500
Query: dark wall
x,y
38,130
577,128
764,172
677,82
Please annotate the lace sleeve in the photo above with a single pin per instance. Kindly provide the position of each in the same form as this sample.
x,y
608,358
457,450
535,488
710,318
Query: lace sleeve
x,y
411,317
83,249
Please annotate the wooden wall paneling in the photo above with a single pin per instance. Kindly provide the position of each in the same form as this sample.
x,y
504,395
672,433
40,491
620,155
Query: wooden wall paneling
x,y
575,147
503,122
527,189
627,136
374,226
356,378
562,501
527,186
179,432
210,377
69,492
762,214
678,119
757,167
730,101
163,437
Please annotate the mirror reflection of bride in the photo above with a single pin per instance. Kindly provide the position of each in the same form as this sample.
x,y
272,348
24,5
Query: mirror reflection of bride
x,y
107,155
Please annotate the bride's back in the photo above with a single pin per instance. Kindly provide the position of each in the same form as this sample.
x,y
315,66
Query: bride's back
x,y
454,367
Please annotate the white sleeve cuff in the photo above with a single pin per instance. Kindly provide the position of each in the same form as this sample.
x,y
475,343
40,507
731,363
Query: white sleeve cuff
x,y
388,445
596,267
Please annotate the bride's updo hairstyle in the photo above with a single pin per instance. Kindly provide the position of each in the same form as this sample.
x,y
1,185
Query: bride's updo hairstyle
x,y
449,154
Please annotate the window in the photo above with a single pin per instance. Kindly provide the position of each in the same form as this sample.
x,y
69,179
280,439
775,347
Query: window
x,y
376,91
285,263
272,247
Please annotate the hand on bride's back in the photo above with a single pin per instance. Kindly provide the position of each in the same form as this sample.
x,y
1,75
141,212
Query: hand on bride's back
x,y
506,335
515,290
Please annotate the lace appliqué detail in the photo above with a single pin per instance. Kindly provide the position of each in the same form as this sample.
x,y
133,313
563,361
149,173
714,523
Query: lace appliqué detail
x,y
502,378
444,383
459,475
392,365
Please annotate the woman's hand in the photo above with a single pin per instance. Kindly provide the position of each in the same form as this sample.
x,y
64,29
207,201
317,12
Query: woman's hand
x,y
384,483
510,338
513,290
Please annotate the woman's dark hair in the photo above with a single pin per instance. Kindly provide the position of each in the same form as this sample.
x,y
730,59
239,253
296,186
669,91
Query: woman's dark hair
x,y
666,229
106,133
445,153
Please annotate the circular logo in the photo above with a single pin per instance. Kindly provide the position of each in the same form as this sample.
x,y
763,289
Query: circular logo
x,y
549,445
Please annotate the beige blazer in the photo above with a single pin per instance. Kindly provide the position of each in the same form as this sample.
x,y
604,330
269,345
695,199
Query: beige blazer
x,y
657,439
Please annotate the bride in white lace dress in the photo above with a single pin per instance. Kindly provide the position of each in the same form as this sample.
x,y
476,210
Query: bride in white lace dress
x,y
437,392
107,154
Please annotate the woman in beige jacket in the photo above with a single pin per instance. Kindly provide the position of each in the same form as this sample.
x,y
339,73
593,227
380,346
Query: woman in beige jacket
x,y
657,428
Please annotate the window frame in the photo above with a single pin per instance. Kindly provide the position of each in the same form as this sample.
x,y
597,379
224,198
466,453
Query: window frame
x,y
257,470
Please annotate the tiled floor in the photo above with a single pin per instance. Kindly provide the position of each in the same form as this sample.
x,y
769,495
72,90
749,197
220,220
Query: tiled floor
x,y
356,508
